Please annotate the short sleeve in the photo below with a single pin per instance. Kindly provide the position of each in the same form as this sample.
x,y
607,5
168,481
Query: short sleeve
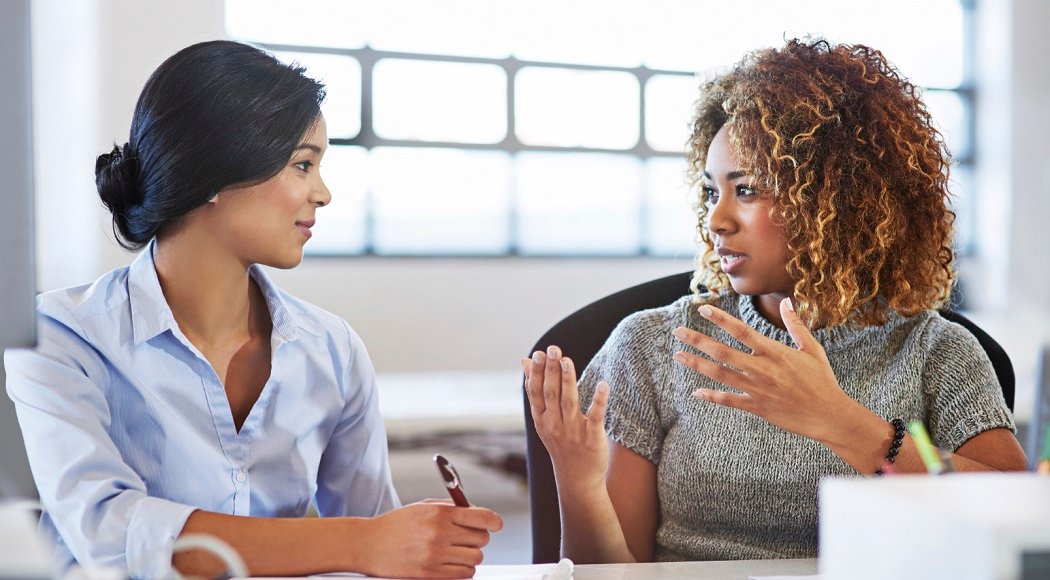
x,y
633,361
963,394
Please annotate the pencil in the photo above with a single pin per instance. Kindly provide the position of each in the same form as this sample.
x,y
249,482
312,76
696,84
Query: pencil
x,y
930,457
1043,465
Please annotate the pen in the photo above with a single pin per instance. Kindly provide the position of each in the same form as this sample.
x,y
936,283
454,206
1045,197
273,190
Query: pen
x,y
451,479
930,457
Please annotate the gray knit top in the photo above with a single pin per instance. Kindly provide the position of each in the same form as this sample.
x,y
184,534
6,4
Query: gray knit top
x,y
733,486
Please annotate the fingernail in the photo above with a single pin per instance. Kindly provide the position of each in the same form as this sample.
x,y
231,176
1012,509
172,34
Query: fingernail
x,y
706,311
564,364
700,394
602,387
789,305
679,333
537,357
552,351
679,356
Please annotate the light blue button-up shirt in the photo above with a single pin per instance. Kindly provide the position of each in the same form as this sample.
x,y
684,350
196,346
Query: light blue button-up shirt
x,y
128,429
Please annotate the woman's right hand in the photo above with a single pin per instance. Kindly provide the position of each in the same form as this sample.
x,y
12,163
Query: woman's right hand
x,y
577,442
429,539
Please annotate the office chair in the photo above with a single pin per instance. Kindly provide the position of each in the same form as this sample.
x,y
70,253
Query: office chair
x,y
581,334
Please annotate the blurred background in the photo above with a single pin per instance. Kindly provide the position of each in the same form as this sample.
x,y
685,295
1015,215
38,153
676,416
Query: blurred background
x,y
496,164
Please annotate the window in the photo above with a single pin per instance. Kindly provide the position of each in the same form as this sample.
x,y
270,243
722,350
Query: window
x,y
547,128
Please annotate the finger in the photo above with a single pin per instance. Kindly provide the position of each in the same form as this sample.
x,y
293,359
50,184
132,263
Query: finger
x,y
717,372
456,571
447,502
552,379
534,385
719,351
468,537
536,404
462,556
736,328
743,402
478,518
570,395
798,330
596,412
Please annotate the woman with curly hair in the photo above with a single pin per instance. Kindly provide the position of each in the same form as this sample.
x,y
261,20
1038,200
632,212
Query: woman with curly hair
x,y
811,338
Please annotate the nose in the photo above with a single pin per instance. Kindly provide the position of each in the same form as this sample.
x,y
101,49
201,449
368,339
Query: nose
x,y
321,196
721,218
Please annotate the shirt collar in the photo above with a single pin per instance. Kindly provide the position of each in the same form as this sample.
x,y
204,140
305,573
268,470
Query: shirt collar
x,y
151,315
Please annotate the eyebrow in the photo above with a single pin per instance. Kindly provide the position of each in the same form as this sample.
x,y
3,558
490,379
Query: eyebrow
x,y
313,148
730,176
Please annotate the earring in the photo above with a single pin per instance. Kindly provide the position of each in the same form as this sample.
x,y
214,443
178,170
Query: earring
x,y
213,198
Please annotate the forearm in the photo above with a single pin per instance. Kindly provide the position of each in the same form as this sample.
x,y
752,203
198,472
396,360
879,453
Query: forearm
x,y
862,439
276,546
590,529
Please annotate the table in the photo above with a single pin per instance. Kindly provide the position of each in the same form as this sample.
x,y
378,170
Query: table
x,y
721,570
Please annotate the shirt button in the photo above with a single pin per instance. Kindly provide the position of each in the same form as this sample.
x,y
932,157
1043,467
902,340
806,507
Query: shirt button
x,y
241,477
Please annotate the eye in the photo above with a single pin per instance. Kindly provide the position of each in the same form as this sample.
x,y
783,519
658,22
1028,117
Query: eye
x,y
746,191
708,194
304,166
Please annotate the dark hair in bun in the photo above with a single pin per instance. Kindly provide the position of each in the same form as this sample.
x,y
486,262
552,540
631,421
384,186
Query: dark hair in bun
x,y
213,115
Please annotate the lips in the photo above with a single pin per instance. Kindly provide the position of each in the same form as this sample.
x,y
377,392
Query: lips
x,y
730,260
305,225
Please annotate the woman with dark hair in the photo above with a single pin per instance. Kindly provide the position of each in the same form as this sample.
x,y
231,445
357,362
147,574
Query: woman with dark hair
x,y
810,340
185,392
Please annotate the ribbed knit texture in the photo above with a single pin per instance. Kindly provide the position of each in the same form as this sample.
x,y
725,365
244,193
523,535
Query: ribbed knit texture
x,y
731,485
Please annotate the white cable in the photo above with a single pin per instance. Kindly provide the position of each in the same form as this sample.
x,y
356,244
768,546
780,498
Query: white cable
x,y
235,567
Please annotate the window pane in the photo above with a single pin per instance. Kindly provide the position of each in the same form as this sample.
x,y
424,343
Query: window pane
x,y
453,27
671,219
573,108
440,201
668,109
341,225
333,23
949,116
584,203
342,78
595,32
923,39
439,101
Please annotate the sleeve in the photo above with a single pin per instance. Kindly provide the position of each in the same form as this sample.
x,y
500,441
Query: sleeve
x,y
633,361
353,478
963,396
97,503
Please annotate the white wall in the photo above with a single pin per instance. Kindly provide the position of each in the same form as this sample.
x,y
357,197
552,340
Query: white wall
x,y
419,314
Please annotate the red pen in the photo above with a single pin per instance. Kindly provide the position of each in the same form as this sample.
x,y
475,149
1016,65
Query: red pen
x,y
451,479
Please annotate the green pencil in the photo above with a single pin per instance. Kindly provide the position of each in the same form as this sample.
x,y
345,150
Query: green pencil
x,y
930,457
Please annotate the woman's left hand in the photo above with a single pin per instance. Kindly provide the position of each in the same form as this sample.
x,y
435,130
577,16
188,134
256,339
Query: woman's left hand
x,y
794,389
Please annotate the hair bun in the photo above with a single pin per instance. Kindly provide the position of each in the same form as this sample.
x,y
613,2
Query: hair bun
x,y
116,177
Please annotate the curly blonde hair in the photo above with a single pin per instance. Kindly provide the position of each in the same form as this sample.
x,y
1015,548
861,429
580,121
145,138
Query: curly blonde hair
x,y
858,178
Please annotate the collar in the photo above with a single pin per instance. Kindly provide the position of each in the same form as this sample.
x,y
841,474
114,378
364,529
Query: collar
x,y
151,315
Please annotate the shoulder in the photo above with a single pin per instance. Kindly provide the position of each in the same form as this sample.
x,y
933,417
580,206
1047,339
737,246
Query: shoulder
x,y
317,321
661,320
76,305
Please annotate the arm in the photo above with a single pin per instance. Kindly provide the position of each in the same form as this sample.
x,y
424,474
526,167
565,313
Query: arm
x,y
796,390
423,540
607,496
103,511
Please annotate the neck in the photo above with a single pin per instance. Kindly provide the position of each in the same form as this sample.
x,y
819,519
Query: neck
x,y
768,305
210,293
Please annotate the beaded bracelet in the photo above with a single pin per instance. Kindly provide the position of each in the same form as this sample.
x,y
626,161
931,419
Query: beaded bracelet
x,y
895,447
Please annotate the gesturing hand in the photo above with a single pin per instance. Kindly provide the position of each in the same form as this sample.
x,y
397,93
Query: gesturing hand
x,y
577,442
794,389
